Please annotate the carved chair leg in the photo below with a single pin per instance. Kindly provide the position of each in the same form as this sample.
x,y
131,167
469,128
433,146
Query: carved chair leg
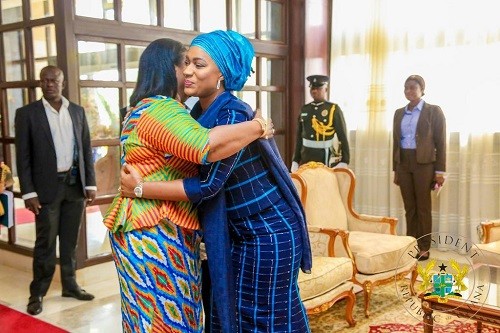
x,y
414,276
351,300
367,292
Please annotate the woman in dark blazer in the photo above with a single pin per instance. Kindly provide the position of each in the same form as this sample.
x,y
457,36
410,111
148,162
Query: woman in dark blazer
x,y
419,159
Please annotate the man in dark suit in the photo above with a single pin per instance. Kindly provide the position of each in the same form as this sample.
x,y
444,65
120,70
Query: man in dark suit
x,y
319,122
56,174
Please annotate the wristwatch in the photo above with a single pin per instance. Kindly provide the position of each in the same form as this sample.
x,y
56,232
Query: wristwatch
x,y
138,189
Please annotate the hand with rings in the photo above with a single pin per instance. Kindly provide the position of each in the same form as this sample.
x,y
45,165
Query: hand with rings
x,y
267,125
269,132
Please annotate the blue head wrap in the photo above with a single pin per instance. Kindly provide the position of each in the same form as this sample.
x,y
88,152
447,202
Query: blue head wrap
x,y
232,53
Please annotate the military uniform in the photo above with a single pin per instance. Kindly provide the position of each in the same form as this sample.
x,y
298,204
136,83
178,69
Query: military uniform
x,y
316,128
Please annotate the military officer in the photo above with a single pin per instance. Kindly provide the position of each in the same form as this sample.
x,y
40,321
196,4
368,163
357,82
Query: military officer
x,y
318,123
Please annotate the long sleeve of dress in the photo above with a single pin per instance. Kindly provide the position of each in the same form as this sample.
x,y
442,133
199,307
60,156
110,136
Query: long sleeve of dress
x,y
212,177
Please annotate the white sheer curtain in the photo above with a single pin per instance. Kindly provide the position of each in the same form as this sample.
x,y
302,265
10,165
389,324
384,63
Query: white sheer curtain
x,y
455,46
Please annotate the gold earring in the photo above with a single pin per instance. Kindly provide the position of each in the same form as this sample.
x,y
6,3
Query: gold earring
x,y
218,84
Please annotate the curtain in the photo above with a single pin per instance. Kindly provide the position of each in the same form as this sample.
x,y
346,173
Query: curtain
x,y
455,46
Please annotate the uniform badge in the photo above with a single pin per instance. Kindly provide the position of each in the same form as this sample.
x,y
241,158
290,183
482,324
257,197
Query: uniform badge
x,y
324,113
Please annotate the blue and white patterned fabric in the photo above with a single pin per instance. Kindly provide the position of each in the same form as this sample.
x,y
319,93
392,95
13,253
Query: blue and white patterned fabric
x,y
266,224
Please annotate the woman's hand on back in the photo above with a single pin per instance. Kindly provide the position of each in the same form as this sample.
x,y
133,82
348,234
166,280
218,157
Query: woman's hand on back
x,y
267,127
129,178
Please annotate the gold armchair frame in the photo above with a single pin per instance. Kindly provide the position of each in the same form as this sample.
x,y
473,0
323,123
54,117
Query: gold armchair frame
x,y
355,222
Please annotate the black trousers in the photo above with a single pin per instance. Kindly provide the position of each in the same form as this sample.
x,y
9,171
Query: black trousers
x,y
62,217
415,184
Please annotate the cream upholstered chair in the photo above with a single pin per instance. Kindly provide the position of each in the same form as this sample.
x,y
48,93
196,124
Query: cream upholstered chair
x,y
331,277
379,255
489,233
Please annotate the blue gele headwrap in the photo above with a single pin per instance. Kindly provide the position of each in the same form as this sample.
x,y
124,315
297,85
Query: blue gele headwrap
x,y
232,53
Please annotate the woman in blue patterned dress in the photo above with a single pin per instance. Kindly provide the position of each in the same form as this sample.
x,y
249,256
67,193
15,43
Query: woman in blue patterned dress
x,y
251,190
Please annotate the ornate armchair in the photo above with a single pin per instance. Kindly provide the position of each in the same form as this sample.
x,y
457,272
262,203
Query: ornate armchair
x,y
331,277
378,254
489,233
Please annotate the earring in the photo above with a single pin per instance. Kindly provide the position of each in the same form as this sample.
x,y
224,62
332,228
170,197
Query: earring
x,y
218,84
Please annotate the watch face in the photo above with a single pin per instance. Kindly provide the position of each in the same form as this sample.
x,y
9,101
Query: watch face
x,y
138,192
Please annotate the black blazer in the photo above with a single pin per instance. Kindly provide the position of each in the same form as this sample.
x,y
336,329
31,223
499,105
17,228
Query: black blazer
x,y
36,155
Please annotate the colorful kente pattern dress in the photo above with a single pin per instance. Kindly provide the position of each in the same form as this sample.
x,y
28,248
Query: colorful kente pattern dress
x,y
155,243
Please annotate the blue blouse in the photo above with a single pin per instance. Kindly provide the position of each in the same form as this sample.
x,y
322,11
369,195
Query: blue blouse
x,y
409,126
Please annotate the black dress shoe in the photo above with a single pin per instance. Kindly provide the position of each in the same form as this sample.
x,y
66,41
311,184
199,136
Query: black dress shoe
x,y
79,294
35,305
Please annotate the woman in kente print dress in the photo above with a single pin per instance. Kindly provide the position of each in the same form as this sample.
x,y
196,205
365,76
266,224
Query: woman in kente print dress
x,y
252,190
155,243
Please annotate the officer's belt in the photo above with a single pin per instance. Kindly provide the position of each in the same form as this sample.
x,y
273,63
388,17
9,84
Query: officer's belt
x,y
317,144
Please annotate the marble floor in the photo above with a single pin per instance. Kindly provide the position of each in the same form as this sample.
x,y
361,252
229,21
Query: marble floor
x,y
102,315
97,316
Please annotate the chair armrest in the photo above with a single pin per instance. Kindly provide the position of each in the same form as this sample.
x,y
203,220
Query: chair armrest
x,y
332,237
489,231
372,223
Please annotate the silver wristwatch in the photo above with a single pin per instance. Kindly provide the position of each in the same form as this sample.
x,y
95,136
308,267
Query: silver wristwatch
x,y
138,189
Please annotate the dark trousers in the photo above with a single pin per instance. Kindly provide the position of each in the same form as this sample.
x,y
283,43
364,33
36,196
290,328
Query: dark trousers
x,y
62,217
415,184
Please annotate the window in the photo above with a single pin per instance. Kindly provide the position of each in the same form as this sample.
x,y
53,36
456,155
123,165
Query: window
x,y
14,56
12,11
132,55
179,14
271,18
103,9
41,9
244,17
139,11
44,46
16,97
98,61
211,18
102,110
